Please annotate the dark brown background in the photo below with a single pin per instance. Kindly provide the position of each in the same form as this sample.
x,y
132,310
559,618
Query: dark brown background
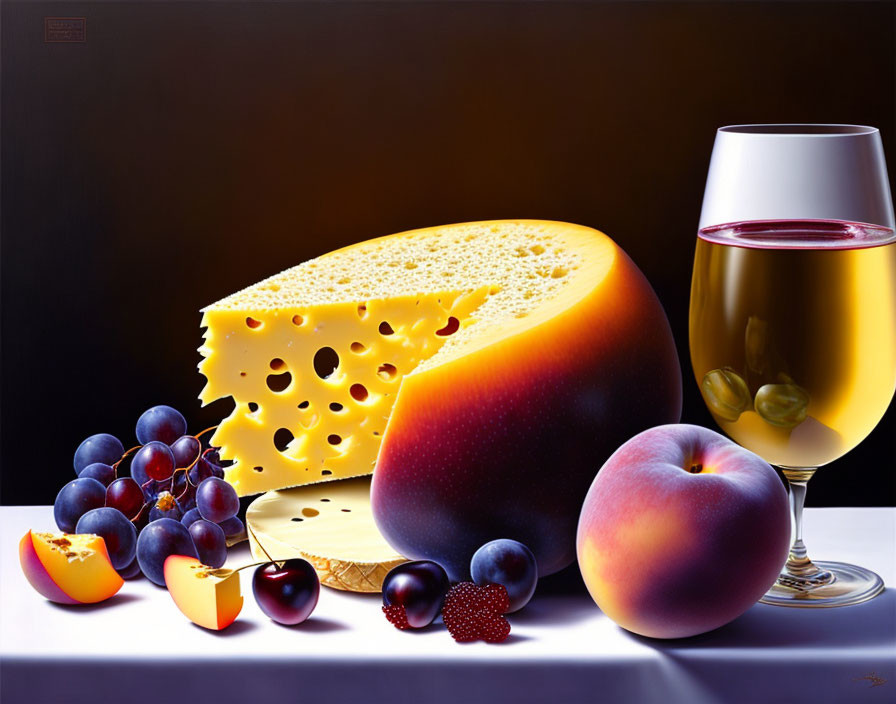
x,y
186,150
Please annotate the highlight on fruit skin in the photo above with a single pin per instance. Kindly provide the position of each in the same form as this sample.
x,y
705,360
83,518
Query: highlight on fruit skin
x,y
68,568
209,597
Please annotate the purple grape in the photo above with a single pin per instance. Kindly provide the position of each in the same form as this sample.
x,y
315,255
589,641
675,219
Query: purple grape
x,y
125,495
190,517
205,469
165,506
158,541
185,449
117,531
154,460
131,571
509,563
232,527
101,447
209,541
216,500
138,474
100,471
200,472
75,499
161,423
419,587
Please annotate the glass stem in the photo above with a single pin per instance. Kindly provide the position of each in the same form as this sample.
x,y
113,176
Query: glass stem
x,y
798,564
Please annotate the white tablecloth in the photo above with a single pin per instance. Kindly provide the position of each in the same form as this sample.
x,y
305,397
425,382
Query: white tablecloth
x,y
137,647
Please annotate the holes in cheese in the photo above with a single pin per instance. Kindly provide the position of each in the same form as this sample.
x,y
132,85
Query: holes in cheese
x,y
278,383
346,328
331,526
326,361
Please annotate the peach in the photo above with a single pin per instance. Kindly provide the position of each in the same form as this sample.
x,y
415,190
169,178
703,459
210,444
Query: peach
x,y
681,532
207,596
69,568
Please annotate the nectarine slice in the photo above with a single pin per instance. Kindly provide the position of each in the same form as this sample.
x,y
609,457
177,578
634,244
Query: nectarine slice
x,y
207,596
69,568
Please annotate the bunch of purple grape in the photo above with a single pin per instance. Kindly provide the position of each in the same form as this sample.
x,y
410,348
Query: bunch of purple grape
x,y
175,501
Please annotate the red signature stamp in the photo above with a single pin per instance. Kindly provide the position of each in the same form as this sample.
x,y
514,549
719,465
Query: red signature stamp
x,y
65,29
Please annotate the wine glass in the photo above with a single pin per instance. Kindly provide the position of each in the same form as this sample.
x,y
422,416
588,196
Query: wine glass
x,y
793,313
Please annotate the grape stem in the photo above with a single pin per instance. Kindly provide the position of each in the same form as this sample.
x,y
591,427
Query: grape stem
x,y
121,459
203,432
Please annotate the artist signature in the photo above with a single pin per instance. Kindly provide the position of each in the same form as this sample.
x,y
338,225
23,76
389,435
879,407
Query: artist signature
x,y
875,679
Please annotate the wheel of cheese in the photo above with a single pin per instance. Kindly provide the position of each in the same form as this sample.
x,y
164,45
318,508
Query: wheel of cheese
x,y
331,526
316,356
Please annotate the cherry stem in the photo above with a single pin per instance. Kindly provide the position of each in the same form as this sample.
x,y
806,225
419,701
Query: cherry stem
x,y
255,564
258,542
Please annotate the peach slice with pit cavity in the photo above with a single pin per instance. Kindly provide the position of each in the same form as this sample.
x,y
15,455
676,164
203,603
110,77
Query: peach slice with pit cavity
x,y
69,568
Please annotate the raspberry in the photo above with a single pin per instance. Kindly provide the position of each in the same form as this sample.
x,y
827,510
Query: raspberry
x,y
397,616
473,613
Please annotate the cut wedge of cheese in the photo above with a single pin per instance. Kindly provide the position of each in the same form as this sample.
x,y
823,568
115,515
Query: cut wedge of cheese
x,y
331,526
315,356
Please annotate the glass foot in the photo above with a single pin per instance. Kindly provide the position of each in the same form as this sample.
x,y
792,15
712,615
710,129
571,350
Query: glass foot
x,y
843,585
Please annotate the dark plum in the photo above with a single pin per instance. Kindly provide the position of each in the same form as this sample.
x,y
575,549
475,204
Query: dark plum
x,y
161,423
419,587
286,594
125,495
209,541
116,531
216,500
154,461
509,563
158,541
101,447
102,472
75,499
185,449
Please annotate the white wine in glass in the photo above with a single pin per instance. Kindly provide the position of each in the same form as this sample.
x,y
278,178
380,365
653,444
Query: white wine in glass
x,y
793,319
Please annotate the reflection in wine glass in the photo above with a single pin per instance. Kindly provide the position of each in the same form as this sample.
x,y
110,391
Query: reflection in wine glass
x,y
793,312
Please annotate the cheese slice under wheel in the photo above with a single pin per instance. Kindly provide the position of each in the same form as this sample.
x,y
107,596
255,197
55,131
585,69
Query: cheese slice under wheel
x,y
331,526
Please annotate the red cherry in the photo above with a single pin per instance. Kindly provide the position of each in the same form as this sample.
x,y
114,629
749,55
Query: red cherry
x,y
286,593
